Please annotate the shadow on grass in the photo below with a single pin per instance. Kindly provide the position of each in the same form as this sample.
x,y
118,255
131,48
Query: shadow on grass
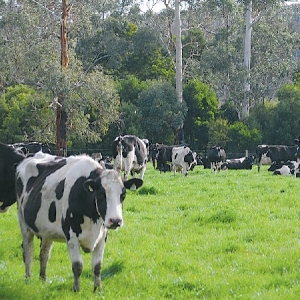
x,y
114,269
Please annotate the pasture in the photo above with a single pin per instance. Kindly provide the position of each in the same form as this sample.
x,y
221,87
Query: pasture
x,y
229,235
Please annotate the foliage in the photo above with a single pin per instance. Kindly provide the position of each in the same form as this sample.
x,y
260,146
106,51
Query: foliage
x,y
161,111
240,137
202,106
231,235
218,133
25,115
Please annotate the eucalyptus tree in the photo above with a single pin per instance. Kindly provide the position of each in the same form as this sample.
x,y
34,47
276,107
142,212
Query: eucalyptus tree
x,y
32,55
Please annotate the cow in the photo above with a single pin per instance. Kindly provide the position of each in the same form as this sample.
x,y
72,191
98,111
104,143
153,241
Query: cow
x,y
183,159
287,168
73,199
276,153
9,159
154,150
32,147
164,158
216,156
205,162
245,163
130,155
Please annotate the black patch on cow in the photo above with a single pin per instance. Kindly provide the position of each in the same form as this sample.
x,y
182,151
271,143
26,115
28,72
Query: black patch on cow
x,y
31,210
83,203
59,191
19,187
9,159
189,158
176,156
52,212
34,185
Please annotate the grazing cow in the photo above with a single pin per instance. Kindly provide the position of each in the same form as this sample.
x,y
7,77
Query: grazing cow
x,y
130,155
9,159
245,163
73,199
276,153
183,159
216,156
32,147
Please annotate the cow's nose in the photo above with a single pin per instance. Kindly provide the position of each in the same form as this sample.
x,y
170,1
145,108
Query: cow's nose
x,y
114,223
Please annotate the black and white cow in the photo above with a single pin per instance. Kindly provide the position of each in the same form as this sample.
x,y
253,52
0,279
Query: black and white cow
x,y
216,155
276,153
130,155
183,159
154,150
73,199
164,158
245,163
9,159
32,147
287,168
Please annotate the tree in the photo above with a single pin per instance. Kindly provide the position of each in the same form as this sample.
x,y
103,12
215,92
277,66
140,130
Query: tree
x,y
161,111
25,115
202,106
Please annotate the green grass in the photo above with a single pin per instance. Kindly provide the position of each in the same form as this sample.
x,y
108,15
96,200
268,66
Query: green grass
x,y
230,235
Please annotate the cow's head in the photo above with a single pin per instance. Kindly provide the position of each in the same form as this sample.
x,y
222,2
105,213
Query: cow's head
x,y
108,192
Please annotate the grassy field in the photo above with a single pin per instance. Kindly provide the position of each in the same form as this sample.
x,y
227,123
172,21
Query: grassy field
x,y
230,235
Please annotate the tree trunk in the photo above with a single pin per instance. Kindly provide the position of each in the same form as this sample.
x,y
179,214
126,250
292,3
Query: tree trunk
x,y
177,23
247,61
61,115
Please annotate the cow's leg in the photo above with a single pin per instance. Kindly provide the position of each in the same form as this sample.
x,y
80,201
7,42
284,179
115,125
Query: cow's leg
x,y
77,262
97,259
45,251
27,244
185,170
143,170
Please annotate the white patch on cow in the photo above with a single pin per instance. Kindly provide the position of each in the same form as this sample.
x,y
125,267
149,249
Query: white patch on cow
x,y
265,160
284,170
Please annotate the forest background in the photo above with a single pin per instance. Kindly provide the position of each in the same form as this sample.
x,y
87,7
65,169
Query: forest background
x,y
121,73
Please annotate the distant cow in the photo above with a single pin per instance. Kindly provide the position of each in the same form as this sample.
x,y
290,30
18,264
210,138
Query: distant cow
x,y
277,153
9,159
32,147
73,199
183,159
238,163
287,168
164,158
130,155
154,149
216,155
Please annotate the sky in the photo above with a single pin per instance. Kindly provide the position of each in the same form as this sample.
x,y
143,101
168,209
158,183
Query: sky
x,y
148,4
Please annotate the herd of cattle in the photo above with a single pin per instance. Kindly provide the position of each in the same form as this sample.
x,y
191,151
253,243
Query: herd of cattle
x,y
76,199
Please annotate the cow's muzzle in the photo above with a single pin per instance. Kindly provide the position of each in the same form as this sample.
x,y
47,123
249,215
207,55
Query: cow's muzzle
x,y
114,223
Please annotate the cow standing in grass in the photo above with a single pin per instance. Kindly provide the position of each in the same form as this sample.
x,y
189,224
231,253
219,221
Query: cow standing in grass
x,y
130,154
72,199
216,155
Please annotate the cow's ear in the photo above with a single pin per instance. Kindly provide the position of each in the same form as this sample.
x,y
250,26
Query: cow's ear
x,y
90,185
133,183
